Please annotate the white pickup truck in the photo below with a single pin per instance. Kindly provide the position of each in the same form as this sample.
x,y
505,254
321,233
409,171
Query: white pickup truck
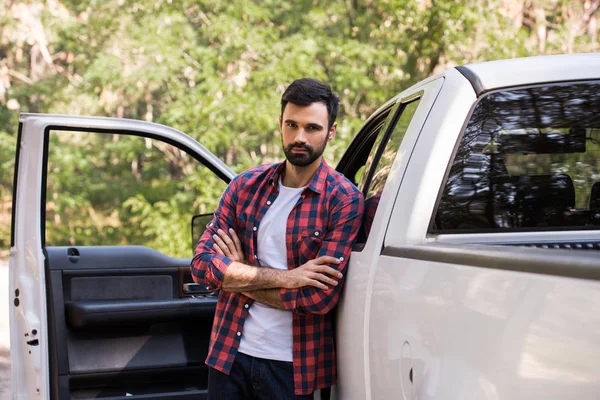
x,y
476,274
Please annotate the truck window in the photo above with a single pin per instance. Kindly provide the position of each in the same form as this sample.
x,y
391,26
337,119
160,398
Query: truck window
x,y
371,139
529,158
109,189
380,162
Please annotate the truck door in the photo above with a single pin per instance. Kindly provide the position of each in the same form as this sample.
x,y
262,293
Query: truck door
x,y
100,253
376,161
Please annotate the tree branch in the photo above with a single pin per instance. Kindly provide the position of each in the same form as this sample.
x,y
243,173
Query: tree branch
x,y
20,76
587,15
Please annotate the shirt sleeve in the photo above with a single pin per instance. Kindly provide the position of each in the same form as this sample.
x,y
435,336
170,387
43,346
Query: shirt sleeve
x,y
343,227
207,266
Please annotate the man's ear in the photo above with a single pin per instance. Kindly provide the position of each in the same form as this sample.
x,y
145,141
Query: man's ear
x,y
331,133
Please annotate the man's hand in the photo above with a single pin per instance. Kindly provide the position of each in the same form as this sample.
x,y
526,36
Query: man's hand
x,y
314,273
230,247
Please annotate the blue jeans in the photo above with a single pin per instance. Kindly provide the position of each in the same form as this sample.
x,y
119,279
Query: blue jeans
x,y
253,378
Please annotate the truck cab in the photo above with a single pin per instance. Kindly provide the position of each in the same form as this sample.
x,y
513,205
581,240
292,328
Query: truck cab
x,y
479,274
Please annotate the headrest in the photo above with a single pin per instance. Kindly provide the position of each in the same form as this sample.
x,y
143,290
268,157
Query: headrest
x,y
595,197
534,200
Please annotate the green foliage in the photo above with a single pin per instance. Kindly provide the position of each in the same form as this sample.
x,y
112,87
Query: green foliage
x,y
215,70
7,149
118,189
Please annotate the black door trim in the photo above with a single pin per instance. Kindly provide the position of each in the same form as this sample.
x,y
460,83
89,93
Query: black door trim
x,y
15,182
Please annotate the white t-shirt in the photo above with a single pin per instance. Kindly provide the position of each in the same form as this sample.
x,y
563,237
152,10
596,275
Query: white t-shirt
x,y
267,330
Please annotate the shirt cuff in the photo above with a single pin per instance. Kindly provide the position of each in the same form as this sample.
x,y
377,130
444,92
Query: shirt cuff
x,y
215,278
289,297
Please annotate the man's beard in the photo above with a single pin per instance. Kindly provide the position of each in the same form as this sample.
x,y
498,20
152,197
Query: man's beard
x,y
303,159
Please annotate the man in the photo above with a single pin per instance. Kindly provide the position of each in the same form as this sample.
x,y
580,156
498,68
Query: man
x,y
277,249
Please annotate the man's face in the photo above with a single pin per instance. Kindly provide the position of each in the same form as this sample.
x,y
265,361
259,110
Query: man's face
x,y
304,133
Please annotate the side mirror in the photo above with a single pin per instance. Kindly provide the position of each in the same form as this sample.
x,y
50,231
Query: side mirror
x,y
199,223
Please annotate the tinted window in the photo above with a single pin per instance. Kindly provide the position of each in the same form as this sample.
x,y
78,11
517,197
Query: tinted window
x,y
108,189
529,158
383,163
380,162
375,137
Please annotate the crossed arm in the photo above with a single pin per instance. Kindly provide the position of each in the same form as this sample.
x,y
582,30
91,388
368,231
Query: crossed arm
x,y
313,287
263,284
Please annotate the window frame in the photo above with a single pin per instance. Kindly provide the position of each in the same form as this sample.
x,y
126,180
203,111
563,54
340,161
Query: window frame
x,y
14,188
397,112
357,153
108,131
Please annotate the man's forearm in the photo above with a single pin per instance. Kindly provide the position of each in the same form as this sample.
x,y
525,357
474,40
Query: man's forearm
x,y
270,297
242,278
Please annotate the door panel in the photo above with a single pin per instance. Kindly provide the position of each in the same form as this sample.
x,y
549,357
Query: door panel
x,y
119,324
107,317
474,329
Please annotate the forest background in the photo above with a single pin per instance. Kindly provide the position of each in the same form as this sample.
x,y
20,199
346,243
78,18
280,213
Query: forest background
x,y
216,70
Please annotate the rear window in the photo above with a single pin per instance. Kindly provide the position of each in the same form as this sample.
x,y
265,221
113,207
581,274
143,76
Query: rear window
x,y
529,159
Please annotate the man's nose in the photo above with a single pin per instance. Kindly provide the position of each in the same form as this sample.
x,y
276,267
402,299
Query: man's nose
x,y
301,136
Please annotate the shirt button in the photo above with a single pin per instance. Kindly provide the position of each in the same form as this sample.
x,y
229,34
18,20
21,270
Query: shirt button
x,y
256,257
239,333
341,258
208,288
246,306
317,233
269,202
255,229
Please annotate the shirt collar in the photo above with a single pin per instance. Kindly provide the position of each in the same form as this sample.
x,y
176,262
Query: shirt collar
x,y
316,183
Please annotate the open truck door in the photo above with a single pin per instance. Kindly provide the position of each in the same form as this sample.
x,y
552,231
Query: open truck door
x,y
99,319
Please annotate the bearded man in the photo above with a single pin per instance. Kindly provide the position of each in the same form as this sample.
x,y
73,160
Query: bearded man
x,y
277,250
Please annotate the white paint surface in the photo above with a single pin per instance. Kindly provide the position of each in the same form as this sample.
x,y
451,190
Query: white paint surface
x,y
4,304
5,392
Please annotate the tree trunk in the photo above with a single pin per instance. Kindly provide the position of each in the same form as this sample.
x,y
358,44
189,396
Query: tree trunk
x,y
540,27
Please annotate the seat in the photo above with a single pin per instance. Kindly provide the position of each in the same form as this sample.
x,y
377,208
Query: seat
x,y
533,200
595,198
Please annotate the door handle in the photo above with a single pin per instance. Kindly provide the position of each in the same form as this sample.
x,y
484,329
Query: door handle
x,y
73,254
196,289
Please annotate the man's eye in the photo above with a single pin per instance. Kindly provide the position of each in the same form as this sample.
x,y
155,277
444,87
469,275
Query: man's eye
x,y
291,124
313,128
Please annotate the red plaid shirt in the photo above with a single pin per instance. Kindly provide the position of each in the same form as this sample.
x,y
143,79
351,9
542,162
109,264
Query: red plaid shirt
x,y
325,221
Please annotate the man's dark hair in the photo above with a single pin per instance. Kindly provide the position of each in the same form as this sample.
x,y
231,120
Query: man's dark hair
x,y
305,91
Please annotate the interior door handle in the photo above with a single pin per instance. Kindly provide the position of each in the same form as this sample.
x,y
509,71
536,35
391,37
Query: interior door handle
x,y
196,289
73,254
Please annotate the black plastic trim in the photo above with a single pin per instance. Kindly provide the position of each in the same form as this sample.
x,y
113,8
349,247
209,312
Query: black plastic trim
x,y
143,384
56,340
101,259
363,143
15,181
564,263
196,289
86,314
44,189
472,78
578,245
